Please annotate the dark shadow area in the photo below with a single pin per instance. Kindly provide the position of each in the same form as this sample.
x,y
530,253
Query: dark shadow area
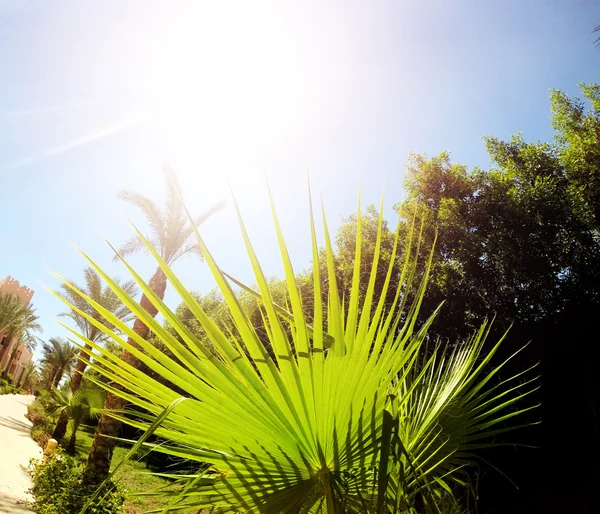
x,y
562,474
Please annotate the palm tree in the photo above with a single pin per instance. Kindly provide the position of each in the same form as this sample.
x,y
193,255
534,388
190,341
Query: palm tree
x,y
79,407
30,375
11,310
59,358
105,298
172,237
16,319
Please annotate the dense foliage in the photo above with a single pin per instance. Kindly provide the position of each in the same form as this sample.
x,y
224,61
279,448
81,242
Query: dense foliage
x,y
41,431
6,387
18,323
97,292
15,317
57,488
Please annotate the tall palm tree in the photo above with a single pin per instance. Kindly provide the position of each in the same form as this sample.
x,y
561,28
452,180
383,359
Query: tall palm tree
x,y
59,358
16,319
172,236
107,299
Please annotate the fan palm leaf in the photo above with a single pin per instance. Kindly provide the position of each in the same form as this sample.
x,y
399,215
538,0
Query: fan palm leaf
x,y
350,414
87,402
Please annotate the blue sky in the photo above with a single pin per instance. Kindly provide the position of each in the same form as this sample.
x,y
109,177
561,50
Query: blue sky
x,y
96,96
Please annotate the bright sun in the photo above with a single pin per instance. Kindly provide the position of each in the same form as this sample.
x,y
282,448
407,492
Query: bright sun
x,y
223,88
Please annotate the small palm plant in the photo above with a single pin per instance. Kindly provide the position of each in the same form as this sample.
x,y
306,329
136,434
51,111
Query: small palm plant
x,y
350,413
86,403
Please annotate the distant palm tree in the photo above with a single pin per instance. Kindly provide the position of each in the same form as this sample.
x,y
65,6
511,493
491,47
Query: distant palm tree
x,y
26,339
59,358
172,237
16,319
30,375
105,297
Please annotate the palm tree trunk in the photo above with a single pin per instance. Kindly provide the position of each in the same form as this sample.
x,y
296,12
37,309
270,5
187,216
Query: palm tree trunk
x,y
73,439
99,458
50,380
57,377
79,369
61,426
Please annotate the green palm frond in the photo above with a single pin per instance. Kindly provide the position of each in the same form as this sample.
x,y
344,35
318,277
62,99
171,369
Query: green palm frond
x,y
16,317
103,295
58,357
349,413
131,246
87,402
152,212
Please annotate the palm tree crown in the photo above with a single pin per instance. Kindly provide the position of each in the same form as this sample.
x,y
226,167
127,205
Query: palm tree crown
x,y
100,294
15,317
58,358
171,231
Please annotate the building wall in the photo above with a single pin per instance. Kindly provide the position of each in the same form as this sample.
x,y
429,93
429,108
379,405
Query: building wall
x,y
9,285
17,364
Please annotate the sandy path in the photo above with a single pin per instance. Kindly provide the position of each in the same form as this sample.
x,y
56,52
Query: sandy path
x,y
16,448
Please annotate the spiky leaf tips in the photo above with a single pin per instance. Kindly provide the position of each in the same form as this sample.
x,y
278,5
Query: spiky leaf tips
x,y
347,413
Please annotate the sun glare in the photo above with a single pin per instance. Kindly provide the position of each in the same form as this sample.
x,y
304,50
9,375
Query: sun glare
x,y
224,90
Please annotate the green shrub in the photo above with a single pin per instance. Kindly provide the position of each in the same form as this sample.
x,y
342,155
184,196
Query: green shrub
x,y
42,425
7,388
41,435
36,413
57,488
